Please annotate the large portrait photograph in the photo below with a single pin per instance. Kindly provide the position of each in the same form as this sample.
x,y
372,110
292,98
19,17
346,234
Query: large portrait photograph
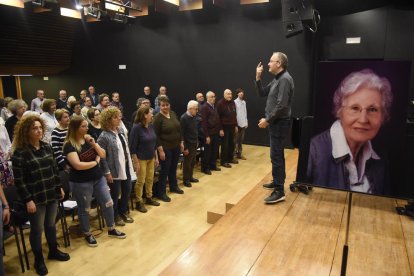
x,y
358,138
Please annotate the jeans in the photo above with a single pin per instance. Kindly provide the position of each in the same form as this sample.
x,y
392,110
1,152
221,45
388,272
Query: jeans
x,y
239,141
83,192
227,144
277,132
44,217
145,175
168,169
189,162
208,161
122,187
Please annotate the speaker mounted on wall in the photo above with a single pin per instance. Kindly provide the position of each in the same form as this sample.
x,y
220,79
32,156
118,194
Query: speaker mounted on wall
x,y
296,13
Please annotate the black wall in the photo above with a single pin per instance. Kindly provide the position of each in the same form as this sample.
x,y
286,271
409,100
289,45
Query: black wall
x,y
213,49
216,49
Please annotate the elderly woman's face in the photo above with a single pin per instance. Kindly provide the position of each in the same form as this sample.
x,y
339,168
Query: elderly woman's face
x,y
361,115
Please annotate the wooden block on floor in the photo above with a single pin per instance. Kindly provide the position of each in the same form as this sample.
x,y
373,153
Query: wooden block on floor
x,y
213,217
229,206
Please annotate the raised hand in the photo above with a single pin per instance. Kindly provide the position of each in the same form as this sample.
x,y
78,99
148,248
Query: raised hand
x,y
259,71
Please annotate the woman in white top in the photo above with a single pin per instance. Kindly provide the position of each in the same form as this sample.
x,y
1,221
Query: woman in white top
x,y
48,115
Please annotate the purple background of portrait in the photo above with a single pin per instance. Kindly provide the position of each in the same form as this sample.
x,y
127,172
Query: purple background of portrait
x,y
391,139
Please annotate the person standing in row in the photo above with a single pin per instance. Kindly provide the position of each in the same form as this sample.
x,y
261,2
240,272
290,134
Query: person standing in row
x,y
212,130
94,128
227,112
189,136
279,93
36,177
242,123
36,104
18,108
48,115
86,178
62,101
167,129
144,154
117,165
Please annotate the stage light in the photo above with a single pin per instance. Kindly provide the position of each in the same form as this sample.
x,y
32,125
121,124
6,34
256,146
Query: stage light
x,y
13,3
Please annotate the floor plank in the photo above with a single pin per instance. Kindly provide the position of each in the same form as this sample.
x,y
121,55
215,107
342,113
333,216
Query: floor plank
x,y
305,241
376,241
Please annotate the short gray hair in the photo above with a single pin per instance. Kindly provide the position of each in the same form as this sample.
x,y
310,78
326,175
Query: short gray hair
x,y
283,59
210,93
368,79
191,104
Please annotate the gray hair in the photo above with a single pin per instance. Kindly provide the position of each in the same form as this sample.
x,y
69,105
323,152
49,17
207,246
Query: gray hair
x,y
139,101
191,104
363,79
210,93
16,104
283,59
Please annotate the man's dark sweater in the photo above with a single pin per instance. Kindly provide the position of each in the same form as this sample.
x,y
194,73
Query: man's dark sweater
x,y
227,112
210,120
189,132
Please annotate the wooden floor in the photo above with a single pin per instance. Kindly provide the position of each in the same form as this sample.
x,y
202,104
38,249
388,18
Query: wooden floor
x,y
302,236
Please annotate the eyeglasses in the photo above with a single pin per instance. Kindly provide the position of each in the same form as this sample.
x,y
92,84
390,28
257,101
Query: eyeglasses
x,y
356,110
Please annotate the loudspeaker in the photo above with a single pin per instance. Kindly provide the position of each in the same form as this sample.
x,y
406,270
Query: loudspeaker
x,y
292,23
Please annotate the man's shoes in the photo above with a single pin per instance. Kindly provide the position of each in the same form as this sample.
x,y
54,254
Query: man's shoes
x,y
216,169
276,196
187,183
150,201
126,218
119,221
56,254
269,186
226,165
91,241
116,234
177,191
140,207
194,180
164,198
234,161
206,171
241,157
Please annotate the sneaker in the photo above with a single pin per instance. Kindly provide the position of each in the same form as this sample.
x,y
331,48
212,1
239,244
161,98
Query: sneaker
x,y
276,196
91,241
126,218
119,221
177,191
152,202
116,234
164,198
140,207
269,186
